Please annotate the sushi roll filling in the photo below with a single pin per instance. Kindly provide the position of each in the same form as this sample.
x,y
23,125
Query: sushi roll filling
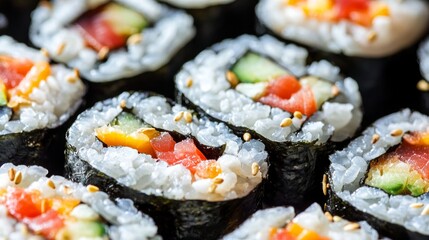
x,y
265,81
404,170
52,217
294,231
127,130
109,26
361,12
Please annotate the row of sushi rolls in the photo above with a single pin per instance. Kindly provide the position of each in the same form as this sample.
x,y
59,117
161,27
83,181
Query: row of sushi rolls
x,y
311,126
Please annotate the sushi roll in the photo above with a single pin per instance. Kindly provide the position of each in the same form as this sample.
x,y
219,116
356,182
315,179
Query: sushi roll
x,y
264,89
36,98
382,177
192,4
33,206
423,84
110,40
194,177
281,223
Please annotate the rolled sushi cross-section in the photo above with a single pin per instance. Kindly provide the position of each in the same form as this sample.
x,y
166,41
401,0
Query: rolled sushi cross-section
x,y
366,28
33,206
109,40
382,176
263,89
281,223
34,96
423,84
194,177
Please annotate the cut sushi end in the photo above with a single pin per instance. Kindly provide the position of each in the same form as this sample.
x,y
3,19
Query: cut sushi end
x,y
263,80
403,171
109,26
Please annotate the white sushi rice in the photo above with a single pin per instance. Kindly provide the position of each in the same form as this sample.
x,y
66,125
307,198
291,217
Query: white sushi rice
x,y
197,3
337,119
52,102
125,222
423,53
408,20
258,226
145,174
349,166
51,28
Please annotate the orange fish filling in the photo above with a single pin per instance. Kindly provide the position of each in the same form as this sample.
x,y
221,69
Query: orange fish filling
x,y
294,231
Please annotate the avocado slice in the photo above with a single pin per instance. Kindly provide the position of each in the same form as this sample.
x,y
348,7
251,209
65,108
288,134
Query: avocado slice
x,y
128,123
84,229
124,21
253,68
321,89
3,96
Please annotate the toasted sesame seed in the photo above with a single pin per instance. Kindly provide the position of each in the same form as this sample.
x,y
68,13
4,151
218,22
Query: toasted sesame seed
x,y
60,48
416,205
375,138
23,229
396,133
335,90
92,188
247,137
189,82
11,174
51,184
286,122
18,178
351,227
336,218
188,117
425,210
123,103
102,54
423,85
67,190
44,52
255,168
297,114
212,188
372,35
324,181
328,216
134,39
73,78
178,116
218,180
328,185
325,207
232,78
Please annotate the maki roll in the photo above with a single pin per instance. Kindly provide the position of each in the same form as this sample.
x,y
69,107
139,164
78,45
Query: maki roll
x,y
110,40
194,177
280,223
354,27
263,89
33,206
423,84
36,98
382,177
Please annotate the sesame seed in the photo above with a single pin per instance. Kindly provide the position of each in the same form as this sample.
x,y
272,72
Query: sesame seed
x,y
51,184
188,117
255,168
74,77
247,137
18,178
372,36
416,205
123,103
324,180
102,54
92,188
44,52
396,133
423,85
11,174
232,78
335,90
178,116
297,114
218,180
134,39
375,138
189,83
43,206
67,190
212,188
336,218
351,227
60,48
45,4
286,122
425,210
328,216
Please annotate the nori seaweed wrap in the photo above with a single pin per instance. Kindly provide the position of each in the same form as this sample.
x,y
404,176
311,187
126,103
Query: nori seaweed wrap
x,y
423,84
372,41
252,85
194,177
282,223
33,206
382,177
36,98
